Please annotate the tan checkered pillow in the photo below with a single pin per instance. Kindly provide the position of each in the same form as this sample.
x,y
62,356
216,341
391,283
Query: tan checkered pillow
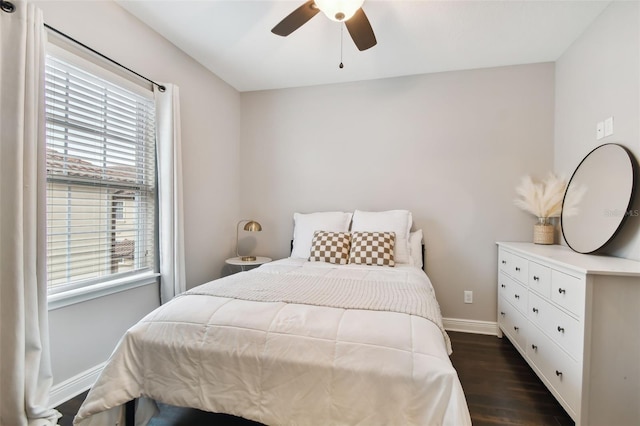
x,y
372,248
331,247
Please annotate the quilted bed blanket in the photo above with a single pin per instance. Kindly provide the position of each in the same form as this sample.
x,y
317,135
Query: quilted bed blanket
x,y
291,343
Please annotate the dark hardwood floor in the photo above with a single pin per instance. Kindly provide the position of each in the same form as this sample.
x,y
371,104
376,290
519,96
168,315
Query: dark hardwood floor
x,y
500,387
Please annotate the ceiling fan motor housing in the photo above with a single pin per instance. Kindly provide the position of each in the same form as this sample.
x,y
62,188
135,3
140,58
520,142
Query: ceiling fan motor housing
x,y
339,10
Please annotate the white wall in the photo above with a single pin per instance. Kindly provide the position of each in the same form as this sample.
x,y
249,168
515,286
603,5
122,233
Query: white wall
x,y
596,78
83,335
450,147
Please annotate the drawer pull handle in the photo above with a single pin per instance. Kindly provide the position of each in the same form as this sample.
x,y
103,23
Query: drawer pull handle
x,y
536,278
558,373
516,328
560,329
503,286
535,310
517,269
534,347
562,291
502,313
504,262
517,296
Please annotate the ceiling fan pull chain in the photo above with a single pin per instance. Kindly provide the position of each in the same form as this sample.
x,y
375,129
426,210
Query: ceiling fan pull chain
x,y
341,37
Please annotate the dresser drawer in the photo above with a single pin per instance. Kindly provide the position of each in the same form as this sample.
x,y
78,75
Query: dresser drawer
x,y
502,315
540,279
513,323
504,259
565,330
513,292
560,371
514,265
568,292
503,282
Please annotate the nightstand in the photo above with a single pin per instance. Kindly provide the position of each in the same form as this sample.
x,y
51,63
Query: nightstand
x,y
237,261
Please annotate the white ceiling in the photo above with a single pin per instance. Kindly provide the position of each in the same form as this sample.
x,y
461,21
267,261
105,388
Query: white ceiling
x,y
233,38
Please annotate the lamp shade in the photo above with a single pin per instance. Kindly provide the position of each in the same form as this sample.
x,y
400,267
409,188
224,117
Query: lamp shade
x,y
252,226
339,10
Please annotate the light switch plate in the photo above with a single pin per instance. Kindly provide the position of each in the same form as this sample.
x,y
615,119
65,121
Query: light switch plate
x,y
600,130
608,126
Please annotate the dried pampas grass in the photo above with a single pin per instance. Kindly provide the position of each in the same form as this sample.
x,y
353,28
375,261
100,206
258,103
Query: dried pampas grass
x,y
542,199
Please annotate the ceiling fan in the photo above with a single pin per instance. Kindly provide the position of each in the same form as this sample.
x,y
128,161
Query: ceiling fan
x,y
348,11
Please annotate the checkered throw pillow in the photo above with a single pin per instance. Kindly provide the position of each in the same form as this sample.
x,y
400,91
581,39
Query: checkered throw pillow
x,y
331,247
372,248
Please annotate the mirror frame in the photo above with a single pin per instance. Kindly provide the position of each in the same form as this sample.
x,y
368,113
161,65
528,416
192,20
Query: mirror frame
x,y
634,174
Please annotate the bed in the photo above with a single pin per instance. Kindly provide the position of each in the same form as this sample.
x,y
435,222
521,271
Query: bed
x,y
293,342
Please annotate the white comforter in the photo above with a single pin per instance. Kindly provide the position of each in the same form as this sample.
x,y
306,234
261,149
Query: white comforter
x,y
285,363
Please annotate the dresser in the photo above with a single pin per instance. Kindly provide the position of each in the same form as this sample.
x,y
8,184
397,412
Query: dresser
x,y
575,319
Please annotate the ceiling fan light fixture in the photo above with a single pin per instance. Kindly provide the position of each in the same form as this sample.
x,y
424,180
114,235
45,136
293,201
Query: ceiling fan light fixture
x,y
339,10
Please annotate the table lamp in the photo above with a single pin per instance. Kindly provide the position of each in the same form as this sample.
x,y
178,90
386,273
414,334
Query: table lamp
x,y
251,226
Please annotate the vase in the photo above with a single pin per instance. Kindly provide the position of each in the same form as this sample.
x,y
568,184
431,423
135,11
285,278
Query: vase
x,y
543,231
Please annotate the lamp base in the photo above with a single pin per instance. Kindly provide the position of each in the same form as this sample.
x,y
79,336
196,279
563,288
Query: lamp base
x,y
248,258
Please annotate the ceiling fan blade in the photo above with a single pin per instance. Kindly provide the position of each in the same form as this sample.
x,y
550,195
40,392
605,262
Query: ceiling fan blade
x,y
296,19
361,31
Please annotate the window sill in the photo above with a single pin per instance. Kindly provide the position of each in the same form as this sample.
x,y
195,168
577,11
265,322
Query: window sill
x,y
83,294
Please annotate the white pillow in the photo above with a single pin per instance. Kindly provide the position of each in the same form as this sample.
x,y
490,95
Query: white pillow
x,y
415,248
398,221
306,224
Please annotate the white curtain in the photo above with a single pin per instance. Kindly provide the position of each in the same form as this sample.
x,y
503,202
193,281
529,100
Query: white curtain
x,y
171,227
25,367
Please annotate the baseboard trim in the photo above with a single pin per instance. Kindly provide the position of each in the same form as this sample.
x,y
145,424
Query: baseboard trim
x,y
471,326
74,386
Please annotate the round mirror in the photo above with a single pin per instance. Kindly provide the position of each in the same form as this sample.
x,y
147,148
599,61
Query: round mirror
x,y
598,198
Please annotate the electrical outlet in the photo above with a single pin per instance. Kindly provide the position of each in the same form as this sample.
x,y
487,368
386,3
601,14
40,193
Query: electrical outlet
x,y
468,296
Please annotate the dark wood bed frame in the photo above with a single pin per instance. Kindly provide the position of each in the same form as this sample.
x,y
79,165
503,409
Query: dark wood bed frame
x,y
130,413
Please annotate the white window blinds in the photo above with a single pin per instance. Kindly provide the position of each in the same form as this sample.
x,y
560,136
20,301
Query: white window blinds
x,y
101,195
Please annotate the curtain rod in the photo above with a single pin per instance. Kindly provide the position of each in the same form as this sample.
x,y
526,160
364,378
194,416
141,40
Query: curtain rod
x,y
160,86
9,7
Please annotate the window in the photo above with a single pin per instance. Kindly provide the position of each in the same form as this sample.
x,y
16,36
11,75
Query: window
x,y
118,210
101,194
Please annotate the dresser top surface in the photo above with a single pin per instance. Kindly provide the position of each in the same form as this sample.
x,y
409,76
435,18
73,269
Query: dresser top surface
x,y
584,263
